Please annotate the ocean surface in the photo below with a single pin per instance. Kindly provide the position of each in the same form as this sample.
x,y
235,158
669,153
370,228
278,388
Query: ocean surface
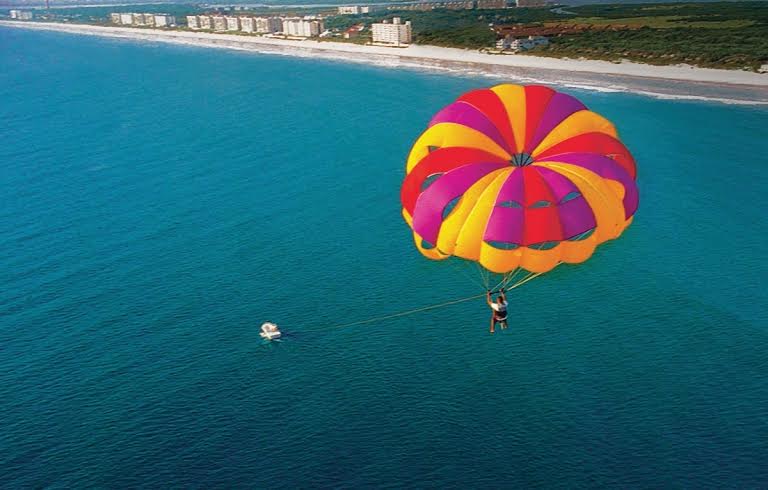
x,y
158,203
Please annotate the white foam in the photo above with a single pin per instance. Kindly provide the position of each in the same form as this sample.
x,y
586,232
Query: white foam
x,y
461,63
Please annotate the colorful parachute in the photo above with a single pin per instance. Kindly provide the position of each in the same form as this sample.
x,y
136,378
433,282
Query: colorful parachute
x,y
518,177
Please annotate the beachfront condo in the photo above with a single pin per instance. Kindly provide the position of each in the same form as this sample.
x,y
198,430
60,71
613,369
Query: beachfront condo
x,y
393,34
296,26
164,20
233,23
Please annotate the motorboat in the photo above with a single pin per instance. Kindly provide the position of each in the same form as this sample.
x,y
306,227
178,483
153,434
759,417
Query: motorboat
x,y
270,331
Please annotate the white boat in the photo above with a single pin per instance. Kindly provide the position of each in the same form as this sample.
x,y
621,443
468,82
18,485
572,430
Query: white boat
x,y
270,331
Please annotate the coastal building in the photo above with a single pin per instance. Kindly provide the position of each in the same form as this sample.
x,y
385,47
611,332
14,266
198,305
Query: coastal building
x,y
146,20
354,9
267,25
21,14
126,19
491,4
219,23
394,34
164,20
353,31
468,5
115,18
205,22
296,26
247,24
421,6
193,22
427,6
521,44
532,3
233,23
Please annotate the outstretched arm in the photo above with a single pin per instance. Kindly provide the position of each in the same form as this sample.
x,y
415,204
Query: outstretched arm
x,y
488,297
503,295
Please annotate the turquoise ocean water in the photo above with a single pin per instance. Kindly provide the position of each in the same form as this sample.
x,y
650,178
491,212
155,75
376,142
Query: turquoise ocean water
x,y
159,202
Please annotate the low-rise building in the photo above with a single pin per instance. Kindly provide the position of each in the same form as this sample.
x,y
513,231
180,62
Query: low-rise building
x,y
531,3
233,23
193,22
491,4
115,18
522,43
468,5
164,20
219,23
353,31
393,33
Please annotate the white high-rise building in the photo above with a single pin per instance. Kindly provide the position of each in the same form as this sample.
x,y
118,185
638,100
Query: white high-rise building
x,y
395,33
126,19
193,22
164,20
267,25
144,20
296,26
246,24
20,14
233,24
115,18
205,21
219,23
354,9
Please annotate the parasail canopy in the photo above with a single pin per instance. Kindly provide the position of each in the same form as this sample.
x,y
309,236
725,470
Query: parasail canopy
x,y
518,177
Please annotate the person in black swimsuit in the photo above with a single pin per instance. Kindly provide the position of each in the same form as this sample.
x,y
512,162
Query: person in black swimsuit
x,y
499,309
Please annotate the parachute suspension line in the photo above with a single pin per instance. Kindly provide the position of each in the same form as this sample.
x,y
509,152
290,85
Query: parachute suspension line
x,y
458,264
484,274
523,279
409,312
530,276
510,276
499,284
506,280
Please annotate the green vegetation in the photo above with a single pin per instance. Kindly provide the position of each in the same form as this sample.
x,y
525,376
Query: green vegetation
x,y
720,34
711,34
454,28
746,48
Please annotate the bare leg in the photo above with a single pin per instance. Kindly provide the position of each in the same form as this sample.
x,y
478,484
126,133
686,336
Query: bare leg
x,y
504,325
493,322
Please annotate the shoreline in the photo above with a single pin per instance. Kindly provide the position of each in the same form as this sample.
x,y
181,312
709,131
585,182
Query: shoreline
x,y
679,82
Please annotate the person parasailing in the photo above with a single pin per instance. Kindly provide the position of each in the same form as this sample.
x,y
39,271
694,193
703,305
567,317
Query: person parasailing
x,y
517,179
499,309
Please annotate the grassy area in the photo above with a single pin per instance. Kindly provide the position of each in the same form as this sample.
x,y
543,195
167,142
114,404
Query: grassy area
x,y
716,34
663,22
720,35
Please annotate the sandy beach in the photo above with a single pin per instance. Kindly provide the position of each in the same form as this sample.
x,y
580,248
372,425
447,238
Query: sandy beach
x,y
701,83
